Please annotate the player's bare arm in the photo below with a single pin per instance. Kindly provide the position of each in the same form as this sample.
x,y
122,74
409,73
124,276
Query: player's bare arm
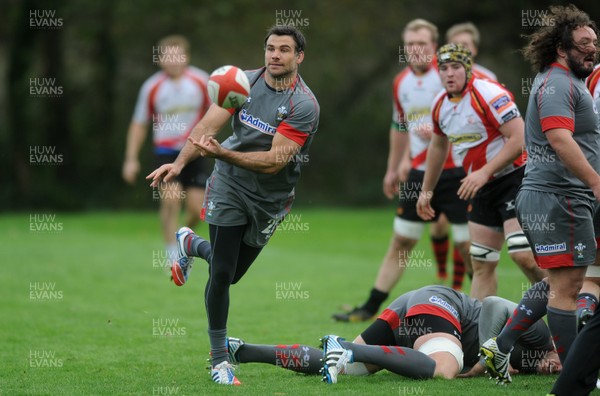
x,y
270,162
210,124
135,139
573,158
514,133
406,162
434,164
398,144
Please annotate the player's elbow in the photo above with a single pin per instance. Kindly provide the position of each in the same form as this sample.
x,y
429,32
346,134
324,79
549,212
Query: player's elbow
x,y
273,169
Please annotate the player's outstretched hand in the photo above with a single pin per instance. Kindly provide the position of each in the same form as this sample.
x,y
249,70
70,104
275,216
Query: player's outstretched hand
x,y
208,146
165,173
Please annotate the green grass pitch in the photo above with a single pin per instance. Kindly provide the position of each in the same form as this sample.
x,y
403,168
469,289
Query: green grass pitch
x,y
88,310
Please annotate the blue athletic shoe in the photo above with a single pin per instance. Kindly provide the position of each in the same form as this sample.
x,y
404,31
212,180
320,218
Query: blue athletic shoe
x,y
335,356
222,374
181,268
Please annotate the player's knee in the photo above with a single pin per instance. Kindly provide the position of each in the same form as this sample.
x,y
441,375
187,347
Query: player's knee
x,y
484,253
565,288
221,276
490,301
493,304
524,260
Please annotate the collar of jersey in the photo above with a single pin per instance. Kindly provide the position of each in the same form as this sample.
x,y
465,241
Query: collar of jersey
x,y
556,64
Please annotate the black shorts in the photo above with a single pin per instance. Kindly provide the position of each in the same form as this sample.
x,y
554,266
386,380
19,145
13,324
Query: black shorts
x,y
445,199
193,175
495,202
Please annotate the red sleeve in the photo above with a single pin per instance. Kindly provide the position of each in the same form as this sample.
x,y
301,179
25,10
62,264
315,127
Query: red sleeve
x,y
397,81
554,122
435,116
292,133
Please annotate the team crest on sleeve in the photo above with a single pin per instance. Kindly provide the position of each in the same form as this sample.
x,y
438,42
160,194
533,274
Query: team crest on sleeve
x,y
282,113
514,113
501,102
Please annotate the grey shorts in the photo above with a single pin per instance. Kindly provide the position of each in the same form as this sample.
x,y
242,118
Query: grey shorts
x,y
560,229
226,206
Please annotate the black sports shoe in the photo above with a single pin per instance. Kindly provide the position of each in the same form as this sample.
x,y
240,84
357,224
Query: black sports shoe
x,y
358,314
584,316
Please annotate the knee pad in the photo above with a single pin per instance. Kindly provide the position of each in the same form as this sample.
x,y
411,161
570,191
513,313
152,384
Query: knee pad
x,y
517,242
484,253
442,344
408,229
460,233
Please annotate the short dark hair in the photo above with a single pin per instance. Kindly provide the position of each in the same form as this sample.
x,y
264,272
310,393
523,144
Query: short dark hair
x,y
556,32
287,30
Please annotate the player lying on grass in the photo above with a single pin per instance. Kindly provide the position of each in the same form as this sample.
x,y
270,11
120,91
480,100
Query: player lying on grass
x,y
430,332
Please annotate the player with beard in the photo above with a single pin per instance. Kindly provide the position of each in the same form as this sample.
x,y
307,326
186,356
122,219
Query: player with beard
x,y
251,188
561,184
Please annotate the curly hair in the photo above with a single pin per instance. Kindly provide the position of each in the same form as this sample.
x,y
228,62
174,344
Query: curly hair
x,y
556,32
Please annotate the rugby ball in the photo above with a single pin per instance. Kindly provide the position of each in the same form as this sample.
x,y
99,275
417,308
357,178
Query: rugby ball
x,y
228,87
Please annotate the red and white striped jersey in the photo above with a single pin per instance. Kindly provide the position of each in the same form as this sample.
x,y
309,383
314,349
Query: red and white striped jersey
x,y
173,106
472,121
413,96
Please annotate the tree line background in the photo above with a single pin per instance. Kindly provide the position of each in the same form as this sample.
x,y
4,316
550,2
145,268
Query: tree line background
x,y
102,53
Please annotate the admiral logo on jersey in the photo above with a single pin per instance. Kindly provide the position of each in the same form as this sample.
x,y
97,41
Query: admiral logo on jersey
x,y
445,304
256,123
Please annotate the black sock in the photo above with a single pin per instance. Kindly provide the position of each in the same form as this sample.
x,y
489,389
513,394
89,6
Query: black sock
x,y
580,370
399,360
440,251
197,246
375,300
299,358
563,327
531,308
459,270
